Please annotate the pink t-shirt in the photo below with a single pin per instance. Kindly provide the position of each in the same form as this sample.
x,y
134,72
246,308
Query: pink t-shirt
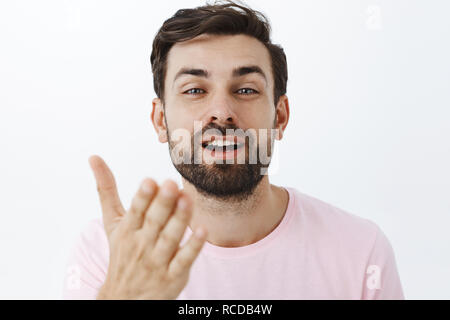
x,y
317,251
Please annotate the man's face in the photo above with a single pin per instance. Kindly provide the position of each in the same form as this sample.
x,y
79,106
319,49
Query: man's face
x,y
214,83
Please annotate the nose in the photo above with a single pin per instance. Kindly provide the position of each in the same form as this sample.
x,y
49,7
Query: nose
x,y
221,111
220,119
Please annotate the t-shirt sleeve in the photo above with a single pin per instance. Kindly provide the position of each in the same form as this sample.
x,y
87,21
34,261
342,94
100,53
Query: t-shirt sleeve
x,y
87,264
382,281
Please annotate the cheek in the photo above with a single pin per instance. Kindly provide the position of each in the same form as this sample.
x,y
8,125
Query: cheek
x,y
264,136
259,119
178,119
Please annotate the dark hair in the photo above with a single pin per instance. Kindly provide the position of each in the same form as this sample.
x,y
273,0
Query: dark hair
x,y
220,18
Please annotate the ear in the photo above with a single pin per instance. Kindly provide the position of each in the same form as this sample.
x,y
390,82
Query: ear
x,y
282,114
158,120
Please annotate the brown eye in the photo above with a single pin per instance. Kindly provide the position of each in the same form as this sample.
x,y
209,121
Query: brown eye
x,y
194,91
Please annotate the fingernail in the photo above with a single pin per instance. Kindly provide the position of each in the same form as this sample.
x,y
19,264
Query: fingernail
x,y
146,188
166,190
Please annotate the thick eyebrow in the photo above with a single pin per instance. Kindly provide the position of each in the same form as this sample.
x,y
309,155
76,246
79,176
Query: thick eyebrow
x,y
242,71
191,71
237,72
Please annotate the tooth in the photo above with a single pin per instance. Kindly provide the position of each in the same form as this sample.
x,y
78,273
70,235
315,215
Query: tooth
x,y
222,143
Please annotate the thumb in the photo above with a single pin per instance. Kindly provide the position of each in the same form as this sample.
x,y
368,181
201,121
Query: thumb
x,y
109,198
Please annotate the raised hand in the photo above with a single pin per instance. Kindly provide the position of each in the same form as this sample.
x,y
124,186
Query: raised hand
x,y
146,260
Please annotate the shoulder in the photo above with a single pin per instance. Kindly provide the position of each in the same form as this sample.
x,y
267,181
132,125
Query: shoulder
x,y
349,247
332,224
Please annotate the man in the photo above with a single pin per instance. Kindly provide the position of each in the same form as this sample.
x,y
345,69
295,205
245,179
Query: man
x,y
228,233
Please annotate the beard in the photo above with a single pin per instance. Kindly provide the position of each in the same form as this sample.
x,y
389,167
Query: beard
x,y
224,181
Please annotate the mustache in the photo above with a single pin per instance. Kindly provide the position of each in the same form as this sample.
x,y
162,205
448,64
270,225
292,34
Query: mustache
x,y
215,126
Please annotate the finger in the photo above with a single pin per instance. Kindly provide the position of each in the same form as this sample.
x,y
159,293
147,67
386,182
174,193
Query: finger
x,y
186,255
159,211
169,238
106,186
140,203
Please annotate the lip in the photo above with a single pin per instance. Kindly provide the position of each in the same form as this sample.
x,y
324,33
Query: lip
x,y
235,139
223,153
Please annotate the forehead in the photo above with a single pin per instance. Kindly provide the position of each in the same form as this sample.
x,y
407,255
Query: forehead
x,y
218,54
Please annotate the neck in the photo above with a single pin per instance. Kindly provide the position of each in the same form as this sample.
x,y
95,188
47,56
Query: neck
x,y
235,223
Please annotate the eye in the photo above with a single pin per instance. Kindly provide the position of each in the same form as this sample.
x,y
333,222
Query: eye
x,y
194,91
247,91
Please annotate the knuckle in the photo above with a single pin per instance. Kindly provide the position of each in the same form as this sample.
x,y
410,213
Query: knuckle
x,y
101,193
153,262
165,203
183,217
136,206
184,261
194,247
168,237
155,224
139,248
104,192
116,207
142,197
108,188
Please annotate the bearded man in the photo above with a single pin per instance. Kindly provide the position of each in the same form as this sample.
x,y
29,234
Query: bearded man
x,y
228,233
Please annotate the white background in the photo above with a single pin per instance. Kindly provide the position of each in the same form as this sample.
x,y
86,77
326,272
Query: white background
x,y
369,130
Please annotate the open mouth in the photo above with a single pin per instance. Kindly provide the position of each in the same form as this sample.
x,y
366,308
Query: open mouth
x,y
222,145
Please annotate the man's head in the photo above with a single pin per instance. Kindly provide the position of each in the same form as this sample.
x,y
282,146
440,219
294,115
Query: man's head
x,y
216,65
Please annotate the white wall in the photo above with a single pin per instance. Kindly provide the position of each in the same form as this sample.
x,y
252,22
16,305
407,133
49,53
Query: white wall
x,y
369,131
